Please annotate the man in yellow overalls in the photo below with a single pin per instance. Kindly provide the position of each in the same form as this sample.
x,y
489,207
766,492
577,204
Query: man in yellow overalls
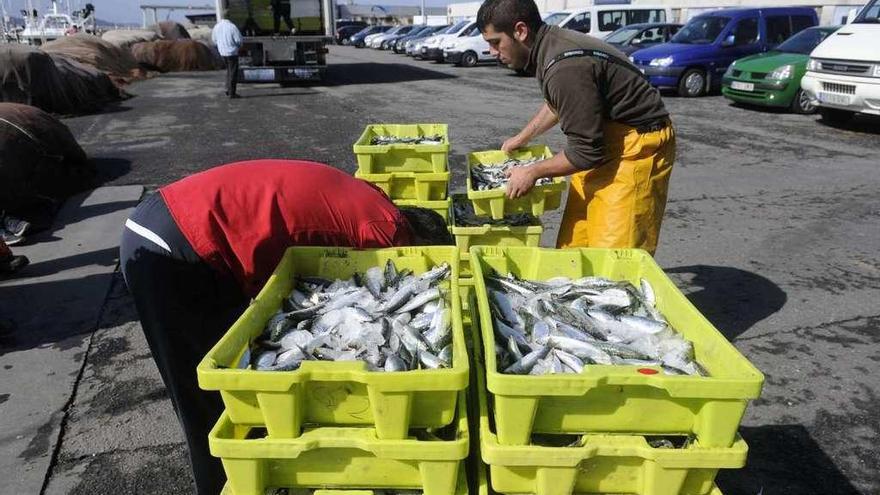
x,y
620,141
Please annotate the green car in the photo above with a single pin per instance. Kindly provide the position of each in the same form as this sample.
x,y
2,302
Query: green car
x,y
773,78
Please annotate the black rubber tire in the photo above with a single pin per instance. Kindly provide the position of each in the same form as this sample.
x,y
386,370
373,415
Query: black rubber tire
x,y
801,103
686,87
835,116
469,59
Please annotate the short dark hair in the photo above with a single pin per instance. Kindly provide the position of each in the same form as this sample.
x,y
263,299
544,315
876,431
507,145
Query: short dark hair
x,y
504,14
428,227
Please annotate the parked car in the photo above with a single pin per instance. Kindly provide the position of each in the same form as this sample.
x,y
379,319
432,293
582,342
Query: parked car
x,y
369,38
696,58
773,78
358,39
843,74
384,42
400,43
602,20
467,50
634,37
432,48
343,34
376,41
414,46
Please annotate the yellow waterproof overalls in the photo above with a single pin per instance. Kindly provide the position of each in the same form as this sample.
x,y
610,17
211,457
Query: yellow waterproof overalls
x,y
620,203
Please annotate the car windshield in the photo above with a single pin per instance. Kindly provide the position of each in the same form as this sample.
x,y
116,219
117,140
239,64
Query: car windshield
x,y
701,30
805,41
455,27
555,19
870,14
394,30
622,35
365,30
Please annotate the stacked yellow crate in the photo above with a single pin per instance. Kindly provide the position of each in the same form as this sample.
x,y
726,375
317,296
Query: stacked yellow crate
x,y
410,174
595,426
338,424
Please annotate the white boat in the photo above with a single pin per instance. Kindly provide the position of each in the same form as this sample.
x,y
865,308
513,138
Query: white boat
x,y
52,26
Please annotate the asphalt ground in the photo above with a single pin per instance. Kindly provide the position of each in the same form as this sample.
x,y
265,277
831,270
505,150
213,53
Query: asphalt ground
x,y
772,230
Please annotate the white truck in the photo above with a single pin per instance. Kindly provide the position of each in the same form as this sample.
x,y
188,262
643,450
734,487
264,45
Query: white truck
x,y
282,40
843,74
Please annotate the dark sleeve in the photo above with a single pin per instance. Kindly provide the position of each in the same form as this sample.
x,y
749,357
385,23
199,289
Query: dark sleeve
x,y
573,92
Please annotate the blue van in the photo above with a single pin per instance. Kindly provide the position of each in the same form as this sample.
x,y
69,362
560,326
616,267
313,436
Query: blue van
x,y
698,55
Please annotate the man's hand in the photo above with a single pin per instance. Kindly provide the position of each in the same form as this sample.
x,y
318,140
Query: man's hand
x,y
513,143
521,181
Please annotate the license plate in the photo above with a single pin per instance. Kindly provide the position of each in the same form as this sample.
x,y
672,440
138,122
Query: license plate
x,y
834,99
259,75
305,73
742,86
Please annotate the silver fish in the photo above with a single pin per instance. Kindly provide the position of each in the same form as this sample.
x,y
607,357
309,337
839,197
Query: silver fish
x,y
365,318
420,300
386,140
569,360
524,365
395,363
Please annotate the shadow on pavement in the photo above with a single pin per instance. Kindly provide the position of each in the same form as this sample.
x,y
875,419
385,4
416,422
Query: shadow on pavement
x,y
784,460
109,169
376,73
865,124
732,299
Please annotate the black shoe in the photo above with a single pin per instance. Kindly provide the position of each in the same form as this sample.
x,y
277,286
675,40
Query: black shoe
x,y
12,264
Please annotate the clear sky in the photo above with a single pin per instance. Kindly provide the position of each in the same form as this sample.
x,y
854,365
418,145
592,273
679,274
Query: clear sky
x,y
128,11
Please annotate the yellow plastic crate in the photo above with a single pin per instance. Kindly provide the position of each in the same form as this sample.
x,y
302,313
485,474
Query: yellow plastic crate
x,y
468,302
616,398
420,186
378,159
493,235
331,457
441,207
335,393
602,463
495,203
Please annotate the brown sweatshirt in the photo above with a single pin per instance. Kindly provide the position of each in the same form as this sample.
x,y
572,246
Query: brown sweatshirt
x,y
585,92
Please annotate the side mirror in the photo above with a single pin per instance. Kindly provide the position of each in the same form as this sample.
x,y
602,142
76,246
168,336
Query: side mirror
x,y
637,41
729,41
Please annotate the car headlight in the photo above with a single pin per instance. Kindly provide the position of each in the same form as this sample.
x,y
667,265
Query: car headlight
x,y
632,59
782,73
661,62
813,64
876,71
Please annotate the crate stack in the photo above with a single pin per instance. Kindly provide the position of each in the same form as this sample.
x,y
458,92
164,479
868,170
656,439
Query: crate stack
x,y
594,427
410,174
495,204
339,425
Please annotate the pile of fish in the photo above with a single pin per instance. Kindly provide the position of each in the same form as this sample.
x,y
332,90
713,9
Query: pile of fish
x,y
394,320
494,175
465,216
383,140
560,325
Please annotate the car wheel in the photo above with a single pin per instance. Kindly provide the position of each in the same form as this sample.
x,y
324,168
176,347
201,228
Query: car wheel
x,y
835,116
692,83
802,103
346,41
469,59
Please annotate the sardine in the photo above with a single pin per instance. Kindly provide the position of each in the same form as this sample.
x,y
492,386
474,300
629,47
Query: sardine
x,y
524,365
420,300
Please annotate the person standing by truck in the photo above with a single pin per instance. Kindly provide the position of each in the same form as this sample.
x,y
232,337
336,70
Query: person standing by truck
x,y
227,38
620,142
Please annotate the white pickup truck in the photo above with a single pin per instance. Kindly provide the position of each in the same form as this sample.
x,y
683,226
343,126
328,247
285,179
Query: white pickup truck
x,y
843,75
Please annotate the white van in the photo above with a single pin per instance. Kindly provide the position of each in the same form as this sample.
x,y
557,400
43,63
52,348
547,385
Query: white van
x,y
467,50
602,20
843,75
